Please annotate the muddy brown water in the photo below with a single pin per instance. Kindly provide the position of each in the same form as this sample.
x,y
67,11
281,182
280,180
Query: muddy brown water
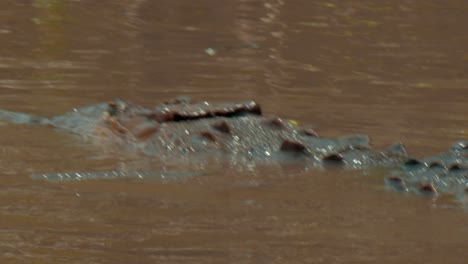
x,y
396,70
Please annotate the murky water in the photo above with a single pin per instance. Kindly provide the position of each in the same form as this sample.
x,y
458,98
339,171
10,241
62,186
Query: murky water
x,y
394,70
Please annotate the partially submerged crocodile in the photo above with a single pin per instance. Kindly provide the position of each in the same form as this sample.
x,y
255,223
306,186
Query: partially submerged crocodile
x,y
184,128
445,173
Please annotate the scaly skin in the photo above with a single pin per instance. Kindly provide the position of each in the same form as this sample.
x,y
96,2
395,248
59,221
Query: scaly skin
x,y
238,131
185,128
443,173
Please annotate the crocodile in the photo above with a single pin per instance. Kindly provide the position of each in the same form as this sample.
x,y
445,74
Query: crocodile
x,y
446,172
184,128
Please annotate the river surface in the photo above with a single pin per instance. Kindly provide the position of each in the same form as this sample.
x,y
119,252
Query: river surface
x,y
396,70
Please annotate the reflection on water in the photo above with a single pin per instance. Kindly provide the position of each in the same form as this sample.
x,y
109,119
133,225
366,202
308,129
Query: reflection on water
x,y
394,70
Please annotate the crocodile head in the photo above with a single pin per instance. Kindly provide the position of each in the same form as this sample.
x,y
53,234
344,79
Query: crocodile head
x,y
136,123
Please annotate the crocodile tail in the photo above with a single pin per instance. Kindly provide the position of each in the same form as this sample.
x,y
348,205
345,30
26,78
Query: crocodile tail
x,y
21,118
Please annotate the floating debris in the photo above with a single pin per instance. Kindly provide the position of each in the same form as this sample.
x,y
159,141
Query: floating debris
x,y
211,51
